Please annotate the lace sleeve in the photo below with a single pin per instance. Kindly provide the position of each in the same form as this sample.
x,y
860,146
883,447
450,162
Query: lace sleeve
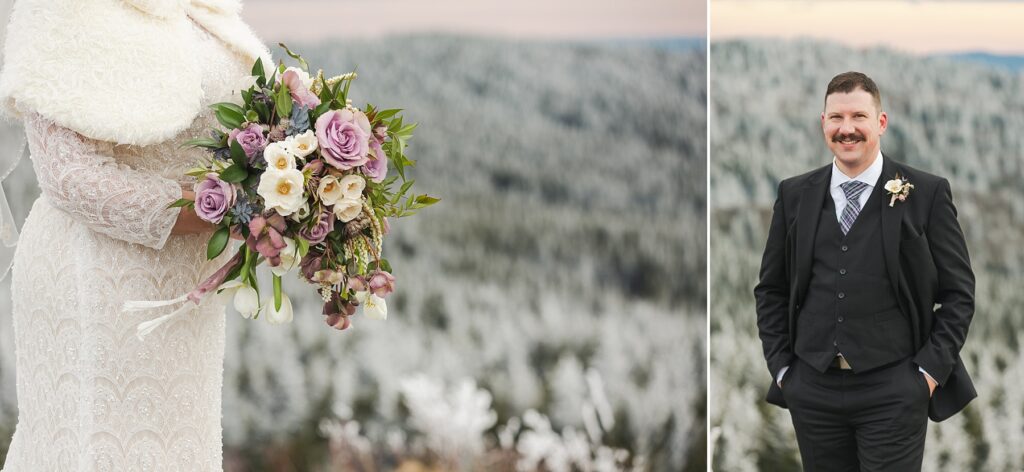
x,y
110,198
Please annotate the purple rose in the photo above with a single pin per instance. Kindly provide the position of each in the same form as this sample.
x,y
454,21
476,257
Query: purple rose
x,y
298,89
318,233
344,138
382,283
213,198
250,138
377,167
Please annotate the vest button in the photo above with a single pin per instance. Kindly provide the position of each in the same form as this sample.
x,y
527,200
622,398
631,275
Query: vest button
x,y
845,248
842,271
840,319
842,295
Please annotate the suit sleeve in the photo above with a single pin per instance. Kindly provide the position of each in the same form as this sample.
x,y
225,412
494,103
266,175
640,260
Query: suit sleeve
x,y
772,294
955,290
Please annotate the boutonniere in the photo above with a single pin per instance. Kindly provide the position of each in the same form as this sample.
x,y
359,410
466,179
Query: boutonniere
x,y
898,188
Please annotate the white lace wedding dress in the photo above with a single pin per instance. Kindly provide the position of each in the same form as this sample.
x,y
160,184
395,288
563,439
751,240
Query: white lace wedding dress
x,y
91,395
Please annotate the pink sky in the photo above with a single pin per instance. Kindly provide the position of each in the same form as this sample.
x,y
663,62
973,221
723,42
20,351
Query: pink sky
x,y
543,19
915,26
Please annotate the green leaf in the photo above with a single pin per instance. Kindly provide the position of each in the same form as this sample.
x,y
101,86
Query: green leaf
x,y
181,202
252,116
302,62
263,111
320,109
406,131
283,102
405,186
277,292
335,90
325,90
208,143
257,68
229,118
385,265
238,154
218,242
348,83
303,246
385,114
234,174
251,181
197,172
426,200
228,106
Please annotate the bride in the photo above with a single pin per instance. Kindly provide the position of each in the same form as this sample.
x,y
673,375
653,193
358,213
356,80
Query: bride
x,y
108,90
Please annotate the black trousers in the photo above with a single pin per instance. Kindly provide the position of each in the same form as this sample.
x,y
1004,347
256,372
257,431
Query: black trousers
x,y
874,421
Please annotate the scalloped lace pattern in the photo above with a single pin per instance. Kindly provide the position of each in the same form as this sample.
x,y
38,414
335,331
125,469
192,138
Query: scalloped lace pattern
x,y
92,396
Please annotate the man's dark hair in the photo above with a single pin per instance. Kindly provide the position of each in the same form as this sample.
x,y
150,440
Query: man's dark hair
x,y
850,81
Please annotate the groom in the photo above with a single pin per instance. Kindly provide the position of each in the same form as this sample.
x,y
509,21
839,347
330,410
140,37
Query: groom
x,y
865,296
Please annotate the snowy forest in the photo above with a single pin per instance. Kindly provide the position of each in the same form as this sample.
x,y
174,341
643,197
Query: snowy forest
x,y
957,119
549,312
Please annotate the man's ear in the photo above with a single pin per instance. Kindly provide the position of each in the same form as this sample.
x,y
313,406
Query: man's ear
x,y
158,8
883,123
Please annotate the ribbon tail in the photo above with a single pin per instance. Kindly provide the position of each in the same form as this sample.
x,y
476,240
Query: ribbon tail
x,y
139,305
147,327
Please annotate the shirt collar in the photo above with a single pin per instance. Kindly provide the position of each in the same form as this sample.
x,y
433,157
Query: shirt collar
x,y
869,176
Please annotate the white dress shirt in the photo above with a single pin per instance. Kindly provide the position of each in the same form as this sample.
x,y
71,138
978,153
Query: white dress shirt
x,y
870,177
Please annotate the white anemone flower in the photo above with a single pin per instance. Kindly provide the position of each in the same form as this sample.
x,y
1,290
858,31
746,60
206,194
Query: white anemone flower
x,y
282,190
290,258
374,307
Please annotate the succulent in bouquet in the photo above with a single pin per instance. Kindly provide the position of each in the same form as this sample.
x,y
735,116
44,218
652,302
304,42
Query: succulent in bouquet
x,y
302,176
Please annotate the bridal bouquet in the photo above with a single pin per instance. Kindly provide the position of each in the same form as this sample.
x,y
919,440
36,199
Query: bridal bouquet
x,y
302,176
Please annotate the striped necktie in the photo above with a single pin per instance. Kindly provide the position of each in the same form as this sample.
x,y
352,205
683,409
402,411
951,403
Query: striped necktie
x,y
853,189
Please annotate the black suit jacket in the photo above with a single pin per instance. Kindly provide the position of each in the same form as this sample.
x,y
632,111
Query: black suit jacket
x,y
926,259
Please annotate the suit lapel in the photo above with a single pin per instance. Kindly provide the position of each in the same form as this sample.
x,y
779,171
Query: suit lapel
x,y
891,219
814,192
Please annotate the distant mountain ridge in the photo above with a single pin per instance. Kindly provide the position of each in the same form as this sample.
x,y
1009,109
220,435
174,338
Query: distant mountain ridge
x,y
1012,62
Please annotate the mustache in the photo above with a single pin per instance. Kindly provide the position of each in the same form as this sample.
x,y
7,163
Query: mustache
x,y
848,137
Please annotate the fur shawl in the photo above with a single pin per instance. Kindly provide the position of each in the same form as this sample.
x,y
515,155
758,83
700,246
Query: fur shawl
x,y
116,70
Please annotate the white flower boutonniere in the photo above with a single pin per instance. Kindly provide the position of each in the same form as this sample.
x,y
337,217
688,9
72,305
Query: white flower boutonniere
x,y
898,188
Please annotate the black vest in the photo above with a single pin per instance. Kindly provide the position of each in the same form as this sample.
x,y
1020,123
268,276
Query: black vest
x,y
850,306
